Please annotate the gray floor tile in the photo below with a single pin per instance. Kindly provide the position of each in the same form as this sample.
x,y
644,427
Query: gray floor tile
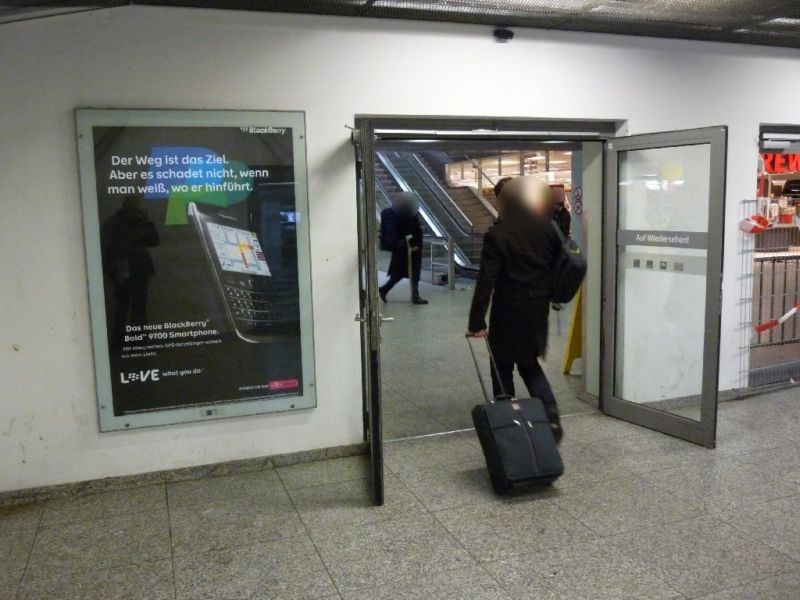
x,y
430,452
775,523
453,420
141,580
756,407
401,549
265,484
450,486
777,463
570,404
235,522
722,484
19,517
471,583
761,432
782,587
623,504
582,466
340,506
105,504
408,421
593,570
702,555
288,569
592,427
322,472
101,543
496,531
15,548
644,450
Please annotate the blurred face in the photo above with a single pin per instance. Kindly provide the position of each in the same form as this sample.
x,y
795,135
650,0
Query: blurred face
x,y
405,204
560,196
528,193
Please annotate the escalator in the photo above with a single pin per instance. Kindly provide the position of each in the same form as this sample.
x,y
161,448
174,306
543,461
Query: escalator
x,y
443,217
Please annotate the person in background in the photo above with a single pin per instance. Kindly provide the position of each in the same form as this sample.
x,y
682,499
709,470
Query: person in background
x,y
515,276
401,230
498,187
562,218
561,213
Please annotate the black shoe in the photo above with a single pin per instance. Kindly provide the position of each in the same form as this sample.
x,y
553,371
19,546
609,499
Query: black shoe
x,y
555,422
419,300
382,293
558,432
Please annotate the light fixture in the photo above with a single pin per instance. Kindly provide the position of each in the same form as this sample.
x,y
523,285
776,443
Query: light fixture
x,y
788,21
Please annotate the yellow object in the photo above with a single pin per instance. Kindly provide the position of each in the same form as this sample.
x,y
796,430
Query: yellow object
x,y
574,347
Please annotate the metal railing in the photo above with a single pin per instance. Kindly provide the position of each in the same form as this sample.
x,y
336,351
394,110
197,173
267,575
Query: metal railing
x,y
771,287
449,263
432,221
477,165
444,197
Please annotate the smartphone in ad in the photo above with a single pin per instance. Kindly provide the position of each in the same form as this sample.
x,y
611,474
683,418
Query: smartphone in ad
x,y
241,269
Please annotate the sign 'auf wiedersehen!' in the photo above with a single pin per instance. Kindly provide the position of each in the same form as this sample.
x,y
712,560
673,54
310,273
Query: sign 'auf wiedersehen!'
x,y
670,239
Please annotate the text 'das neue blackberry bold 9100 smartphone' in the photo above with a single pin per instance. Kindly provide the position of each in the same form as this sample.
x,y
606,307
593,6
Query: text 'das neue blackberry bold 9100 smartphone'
x,y
240,267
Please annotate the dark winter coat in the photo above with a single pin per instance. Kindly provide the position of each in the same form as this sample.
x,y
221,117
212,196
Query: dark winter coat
x,y
563,219
394,229
516,276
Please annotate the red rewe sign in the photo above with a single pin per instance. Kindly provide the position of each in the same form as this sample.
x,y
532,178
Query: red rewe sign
x,y
284,384
781,163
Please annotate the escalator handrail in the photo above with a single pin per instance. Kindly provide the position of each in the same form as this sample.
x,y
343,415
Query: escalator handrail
x,y
459,228
433,223
445,203
443,192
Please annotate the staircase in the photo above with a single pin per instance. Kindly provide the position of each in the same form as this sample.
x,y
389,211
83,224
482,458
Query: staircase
x,y
382,176
467,201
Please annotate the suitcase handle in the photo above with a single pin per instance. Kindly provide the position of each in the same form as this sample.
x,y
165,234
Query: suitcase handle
x,y
489,397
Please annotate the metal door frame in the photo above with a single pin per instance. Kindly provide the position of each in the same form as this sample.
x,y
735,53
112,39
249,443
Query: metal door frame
x,y
699,432
368,128
368,315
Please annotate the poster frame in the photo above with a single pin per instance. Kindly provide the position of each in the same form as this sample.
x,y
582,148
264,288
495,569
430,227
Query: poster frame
x,y
86,119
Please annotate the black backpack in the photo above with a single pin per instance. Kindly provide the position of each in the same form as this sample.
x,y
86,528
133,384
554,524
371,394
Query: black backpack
x,y
569,269
389,235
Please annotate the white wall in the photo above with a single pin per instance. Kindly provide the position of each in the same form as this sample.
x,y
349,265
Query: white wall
x,y
332,68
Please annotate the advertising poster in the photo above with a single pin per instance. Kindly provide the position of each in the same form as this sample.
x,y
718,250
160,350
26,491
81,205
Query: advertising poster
x,y
197,253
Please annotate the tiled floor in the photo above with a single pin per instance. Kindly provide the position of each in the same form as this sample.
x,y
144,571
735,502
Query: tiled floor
x,y
429,381
637,515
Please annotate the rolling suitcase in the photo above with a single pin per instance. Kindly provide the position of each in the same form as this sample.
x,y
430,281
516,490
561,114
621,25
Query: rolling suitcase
x,y
516,438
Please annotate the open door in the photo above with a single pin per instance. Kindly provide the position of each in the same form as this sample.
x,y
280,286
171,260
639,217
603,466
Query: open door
x,y
368,314
664,221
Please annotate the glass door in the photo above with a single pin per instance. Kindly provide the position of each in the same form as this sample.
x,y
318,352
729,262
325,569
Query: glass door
x,y
368,314
664,219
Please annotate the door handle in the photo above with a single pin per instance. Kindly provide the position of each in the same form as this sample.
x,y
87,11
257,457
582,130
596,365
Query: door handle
x,y
359,319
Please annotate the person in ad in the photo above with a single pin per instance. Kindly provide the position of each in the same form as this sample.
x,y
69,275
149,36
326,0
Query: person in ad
x,y
401,234
515,276
126,237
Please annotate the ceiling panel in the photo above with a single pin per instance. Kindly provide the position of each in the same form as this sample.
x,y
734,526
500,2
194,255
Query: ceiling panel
x,y
767,22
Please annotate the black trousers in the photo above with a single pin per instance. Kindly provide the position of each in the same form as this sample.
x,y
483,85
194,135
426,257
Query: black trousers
x,y
395,279
533,376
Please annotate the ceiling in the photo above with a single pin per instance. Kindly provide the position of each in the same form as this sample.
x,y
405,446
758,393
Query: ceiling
x,y
762,22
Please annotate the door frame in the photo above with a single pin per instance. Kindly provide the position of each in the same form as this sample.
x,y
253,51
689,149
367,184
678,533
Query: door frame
x,y
701,432
367,129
